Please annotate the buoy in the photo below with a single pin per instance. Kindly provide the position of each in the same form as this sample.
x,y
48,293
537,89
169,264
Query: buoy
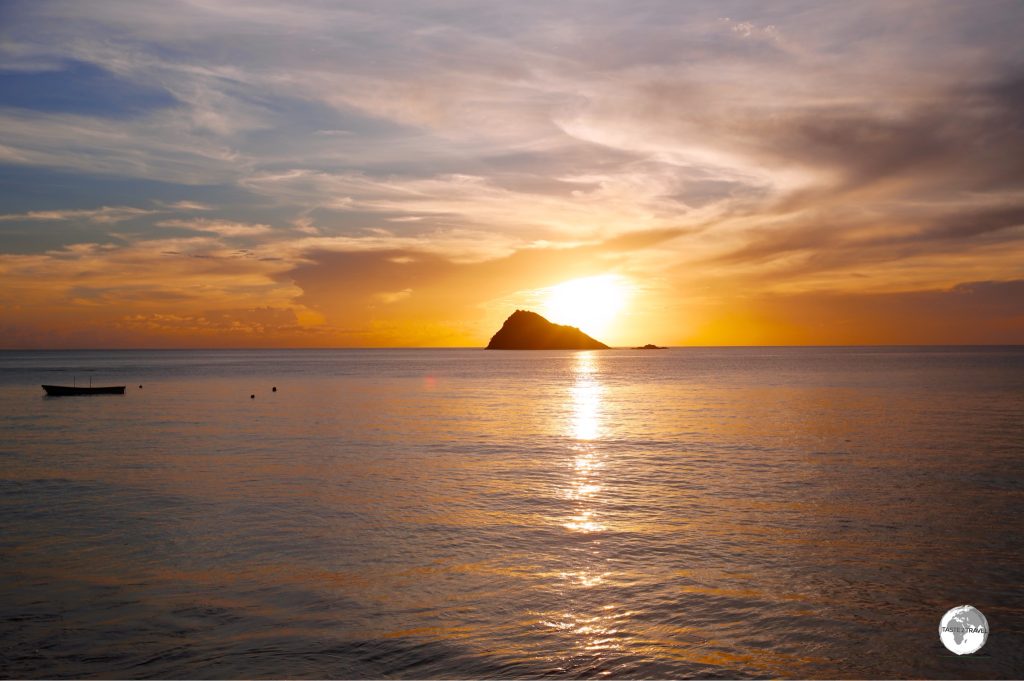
x,y
140,386
252,397
274,388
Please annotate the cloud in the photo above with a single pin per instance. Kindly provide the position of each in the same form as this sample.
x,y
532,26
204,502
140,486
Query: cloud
x,y
224,228
158,147
587,206
188,206
788,149
388,297
105,215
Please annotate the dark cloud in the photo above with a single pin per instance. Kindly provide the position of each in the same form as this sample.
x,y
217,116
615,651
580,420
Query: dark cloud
x,y
115,295
841,242
943,177
965,138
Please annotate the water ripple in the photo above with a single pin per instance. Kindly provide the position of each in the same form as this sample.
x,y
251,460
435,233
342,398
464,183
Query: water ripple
x,y
713,513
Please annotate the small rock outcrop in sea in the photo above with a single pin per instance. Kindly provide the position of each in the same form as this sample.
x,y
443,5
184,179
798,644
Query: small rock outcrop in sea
x,y
525,330
650,346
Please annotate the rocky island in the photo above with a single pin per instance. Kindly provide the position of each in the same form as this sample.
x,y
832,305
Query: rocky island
x,y
525,330
650,346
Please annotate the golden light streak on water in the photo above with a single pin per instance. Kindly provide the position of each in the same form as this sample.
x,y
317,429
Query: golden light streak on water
x,y
586,398
587,411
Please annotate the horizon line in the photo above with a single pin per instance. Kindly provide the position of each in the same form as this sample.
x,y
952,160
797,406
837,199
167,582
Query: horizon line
x,y
479,347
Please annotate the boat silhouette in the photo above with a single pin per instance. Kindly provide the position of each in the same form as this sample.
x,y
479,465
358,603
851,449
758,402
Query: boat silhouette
x,y
67,390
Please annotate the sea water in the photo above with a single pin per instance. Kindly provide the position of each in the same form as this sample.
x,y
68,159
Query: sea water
x,y
762,512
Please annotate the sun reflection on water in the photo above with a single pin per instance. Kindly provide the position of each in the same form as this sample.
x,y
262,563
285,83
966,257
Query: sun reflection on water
x,y
585,486
585,578
584,522
591,623
586,398
597,634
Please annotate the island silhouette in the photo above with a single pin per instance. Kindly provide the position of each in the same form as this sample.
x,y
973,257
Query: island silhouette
x,y
525,330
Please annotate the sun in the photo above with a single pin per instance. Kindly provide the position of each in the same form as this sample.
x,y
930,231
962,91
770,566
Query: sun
x,y
591,304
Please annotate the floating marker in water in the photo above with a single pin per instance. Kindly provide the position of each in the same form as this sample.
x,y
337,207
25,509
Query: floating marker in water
x,y
274,389
252,397
140,386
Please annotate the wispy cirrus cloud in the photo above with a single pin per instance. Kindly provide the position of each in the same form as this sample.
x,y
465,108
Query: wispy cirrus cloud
x,y
104,216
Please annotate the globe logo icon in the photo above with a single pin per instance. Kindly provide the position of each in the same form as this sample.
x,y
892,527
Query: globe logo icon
x,y
963,630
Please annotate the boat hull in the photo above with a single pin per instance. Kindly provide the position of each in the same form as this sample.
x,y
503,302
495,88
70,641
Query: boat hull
x,y
67,390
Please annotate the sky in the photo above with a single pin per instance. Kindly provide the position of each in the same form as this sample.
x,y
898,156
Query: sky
x,y
213,173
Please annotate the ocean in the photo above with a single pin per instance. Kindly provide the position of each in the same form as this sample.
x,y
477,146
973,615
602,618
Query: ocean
x,y
692,512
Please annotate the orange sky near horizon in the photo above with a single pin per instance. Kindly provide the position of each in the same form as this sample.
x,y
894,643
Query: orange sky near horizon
x,y
274,174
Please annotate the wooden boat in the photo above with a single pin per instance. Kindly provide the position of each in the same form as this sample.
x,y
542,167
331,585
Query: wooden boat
x,y
65,390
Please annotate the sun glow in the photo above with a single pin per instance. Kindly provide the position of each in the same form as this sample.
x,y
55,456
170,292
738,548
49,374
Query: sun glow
x,y
591,304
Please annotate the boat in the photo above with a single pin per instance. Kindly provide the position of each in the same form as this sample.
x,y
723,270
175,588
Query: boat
x,y
65,390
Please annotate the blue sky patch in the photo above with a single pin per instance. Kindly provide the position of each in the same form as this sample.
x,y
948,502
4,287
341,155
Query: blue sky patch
x,y
80,88
26,188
